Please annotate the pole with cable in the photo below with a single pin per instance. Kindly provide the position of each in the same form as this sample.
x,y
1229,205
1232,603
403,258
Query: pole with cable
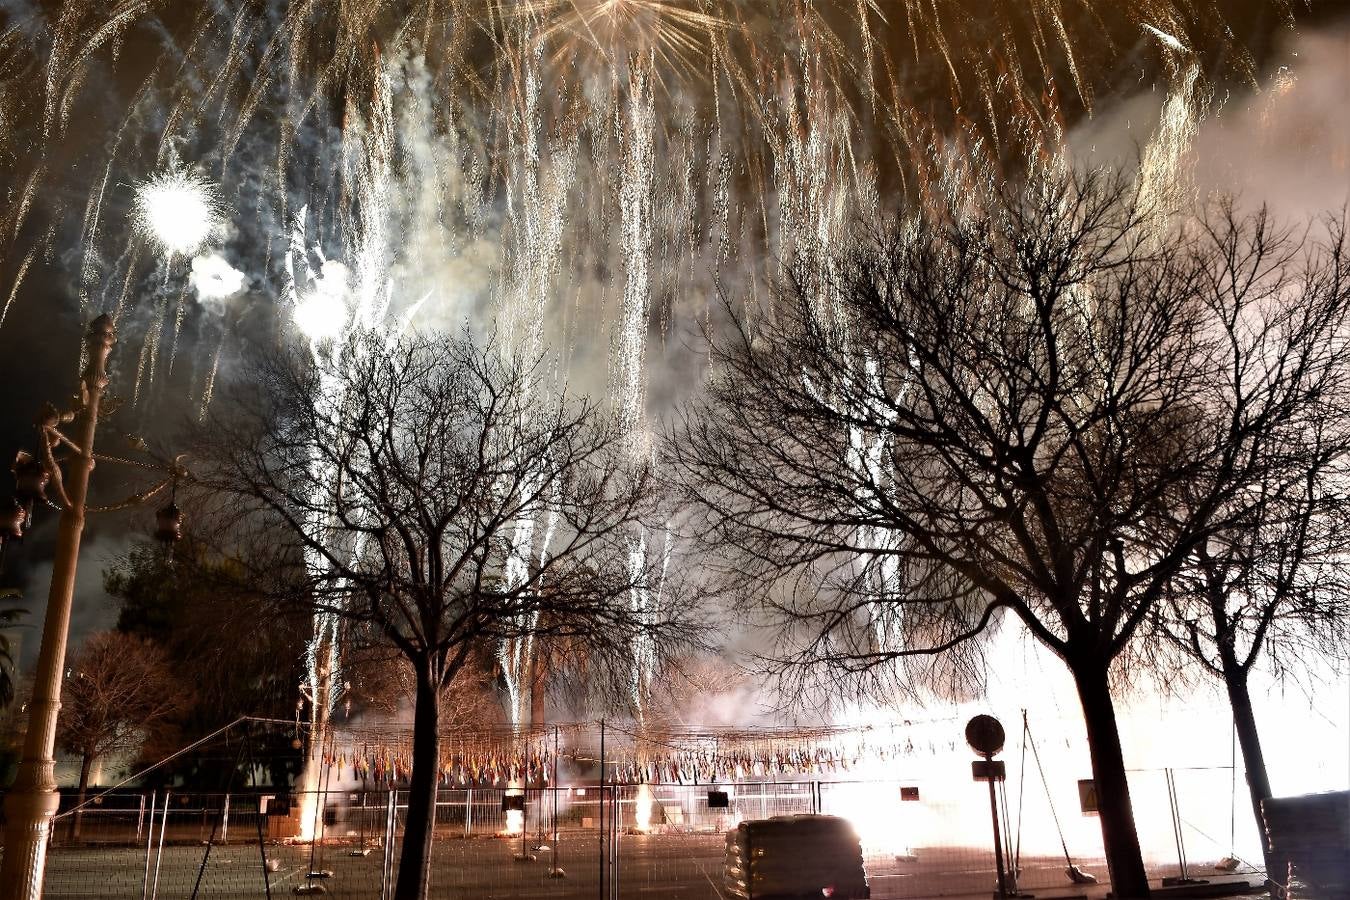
x,y
1075,874
1021,794
30,805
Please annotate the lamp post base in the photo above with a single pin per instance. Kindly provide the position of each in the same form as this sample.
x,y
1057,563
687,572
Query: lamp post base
x,y
28,815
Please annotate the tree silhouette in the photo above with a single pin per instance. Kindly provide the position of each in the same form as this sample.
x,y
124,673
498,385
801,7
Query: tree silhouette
x,y
118,689
433,491
1041,403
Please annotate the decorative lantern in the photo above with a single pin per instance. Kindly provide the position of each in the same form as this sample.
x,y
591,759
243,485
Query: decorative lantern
x,y
169,524
30,479
13,518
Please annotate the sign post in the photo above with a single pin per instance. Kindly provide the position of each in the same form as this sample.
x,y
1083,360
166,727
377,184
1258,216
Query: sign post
x,y
985,736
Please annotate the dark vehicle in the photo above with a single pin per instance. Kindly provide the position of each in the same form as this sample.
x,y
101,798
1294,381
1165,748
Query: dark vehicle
x,y
795,857
1312,835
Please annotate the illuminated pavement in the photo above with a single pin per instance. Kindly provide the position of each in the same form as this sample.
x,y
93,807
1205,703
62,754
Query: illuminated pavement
x,y
675,866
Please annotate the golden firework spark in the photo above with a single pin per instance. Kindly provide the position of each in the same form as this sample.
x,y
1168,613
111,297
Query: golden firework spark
x,y
680,35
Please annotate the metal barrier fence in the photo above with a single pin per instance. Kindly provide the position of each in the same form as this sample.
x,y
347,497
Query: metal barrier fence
x,y
920,839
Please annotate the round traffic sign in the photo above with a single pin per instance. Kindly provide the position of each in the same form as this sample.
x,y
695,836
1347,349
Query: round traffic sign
x,y
985,735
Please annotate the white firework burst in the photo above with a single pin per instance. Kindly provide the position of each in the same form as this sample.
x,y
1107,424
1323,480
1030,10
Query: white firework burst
x,y
179,211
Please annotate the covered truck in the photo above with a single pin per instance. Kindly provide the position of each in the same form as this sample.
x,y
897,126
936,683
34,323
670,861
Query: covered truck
x,y
795,857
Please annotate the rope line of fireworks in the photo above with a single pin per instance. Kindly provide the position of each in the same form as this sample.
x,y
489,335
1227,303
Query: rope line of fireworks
x,y
514,758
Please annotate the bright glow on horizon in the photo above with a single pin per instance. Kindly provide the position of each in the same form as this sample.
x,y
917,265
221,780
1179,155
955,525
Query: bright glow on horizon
x,y
178,211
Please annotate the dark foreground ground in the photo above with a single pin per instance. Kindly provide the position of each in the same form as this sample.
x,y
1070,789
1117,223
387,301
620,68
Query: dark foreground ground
x,y
674,866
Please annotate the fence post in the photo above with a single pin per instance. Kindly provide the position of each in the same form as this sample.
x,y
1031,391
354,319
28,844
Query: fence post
x,y
602,800
555,871
388,863
1176,825
362,818
225,821
150,839
159,854
468,812
614,846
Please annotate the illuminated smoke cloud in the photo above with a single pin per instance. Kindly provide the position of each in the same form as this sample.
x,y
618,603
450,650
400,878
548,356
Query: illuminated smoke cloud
x,y
214,279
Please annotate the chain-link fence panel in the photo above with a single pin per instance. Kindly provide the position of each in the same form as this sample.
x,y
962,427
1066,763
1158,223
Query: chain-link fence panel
x,y
922,837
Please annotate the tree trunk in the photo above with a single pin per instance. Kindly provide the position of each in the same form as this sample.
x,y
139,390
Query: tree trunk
x,y
86,764
1253,759
414,861
1123,857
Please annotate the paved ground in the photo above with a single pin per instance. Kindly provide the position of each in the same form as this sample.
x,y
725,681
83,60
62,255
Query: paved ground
x,y
673,866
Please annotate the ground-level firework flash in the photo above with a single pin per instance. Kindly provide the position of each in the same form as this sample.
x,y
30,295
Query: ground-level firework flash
x,y
642,807
515,818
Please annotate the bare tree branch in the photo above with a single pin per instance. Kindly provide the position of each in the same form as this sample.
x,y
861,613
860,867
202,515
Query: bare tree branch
x,y
1045,405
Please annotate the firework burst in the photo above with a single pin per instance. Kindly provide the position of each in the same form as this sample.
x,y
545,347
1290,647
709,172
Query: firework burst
x,y
681,36
178,211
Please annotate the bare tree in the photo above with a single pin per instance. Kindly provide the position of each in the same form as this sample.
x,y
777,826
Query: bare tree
x,y
9,615
118,689
382,683
1272,595
431,490
1030,407
1271,590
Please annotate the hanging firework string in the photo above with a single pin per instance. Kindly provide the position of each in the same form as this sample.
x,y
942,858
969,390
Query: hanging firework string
x,y
711,755
483,757
504,757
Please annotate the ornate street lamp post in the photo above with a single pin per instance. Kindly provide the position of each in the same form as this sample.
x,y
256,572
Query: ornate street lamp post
x,y
31,803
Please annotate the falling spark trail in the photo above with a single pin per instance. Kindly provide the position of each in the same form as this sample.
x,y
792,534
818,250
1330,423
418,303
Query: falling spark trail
x,y
1165,183
257,97
18,281
209,388
1170,42
636,133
